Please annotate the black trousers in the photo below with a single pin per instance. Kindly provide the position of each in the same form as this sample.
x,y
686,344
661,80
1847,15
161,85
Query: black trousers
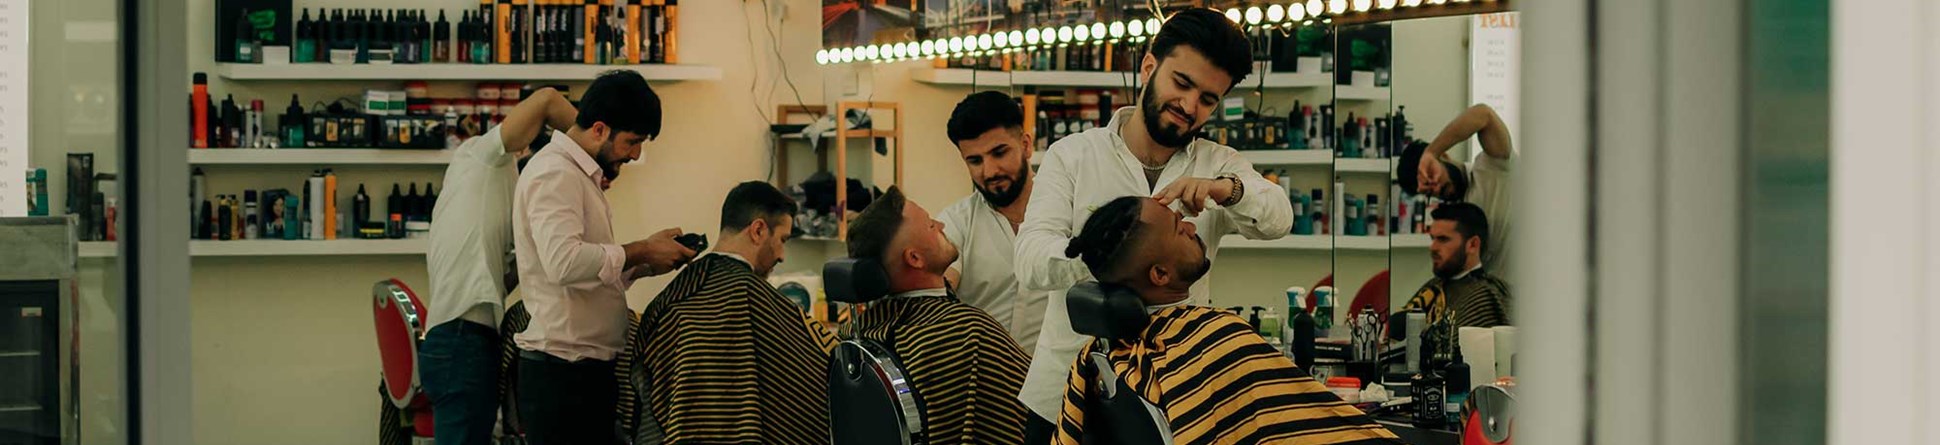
x,y
1038,431
567,403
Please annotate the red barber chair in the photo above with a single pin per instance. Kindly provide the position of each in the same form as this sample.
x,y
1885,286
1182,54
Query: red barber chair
x,y
400,326
1491,415
1373,294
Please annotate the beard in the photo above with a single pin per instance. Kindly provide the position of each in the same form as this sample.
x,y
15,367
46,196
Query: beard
x,y
1154,126
608,166
1192,275
1448,268
1002,198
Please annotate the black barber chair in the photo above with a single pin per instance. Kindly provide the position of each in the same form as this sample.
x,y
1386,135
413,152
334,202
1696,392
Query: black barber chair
x,y
870,400
1113,412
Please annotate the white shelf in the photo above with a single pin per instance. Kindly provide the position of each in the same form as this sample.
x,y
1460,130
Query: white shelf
x,y
243,248
1329,242
317,156
818,239
1091,79
1289,242
455,71
1364,165
1288,157
1361,93
863,133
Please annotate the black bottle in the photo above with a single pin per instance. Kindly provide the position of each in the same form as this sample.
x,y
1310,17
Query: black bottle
x,y
413,205
430,202
1303,340
225,219
359,210
1455,391
205,229
394,225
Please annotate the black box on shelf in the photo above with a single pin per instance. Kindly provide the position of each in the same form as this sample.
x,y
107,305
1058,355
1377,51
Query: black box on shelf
x,y
271,19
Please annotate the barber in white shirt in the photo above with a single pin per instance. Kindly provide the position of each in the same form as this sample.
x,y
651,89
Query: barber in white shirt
x,y
471,237
573,273
988,130
1146,150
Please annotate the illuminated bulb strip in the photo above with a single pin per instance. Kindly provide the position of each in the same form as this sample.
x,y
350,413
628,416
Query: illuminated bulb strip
x,y
1296,13
1315,8
1016,39
1081,34
1338,7
1387,4
1275,13
1234,15
1117,30
983,43
1363,5
1136,28
1030,37
1098,31
1065,34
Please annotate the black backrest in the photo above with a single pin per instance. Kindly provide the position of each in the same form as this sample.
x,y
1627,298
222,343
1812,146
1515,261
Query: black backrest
x,y
855,280
870,400
1105,311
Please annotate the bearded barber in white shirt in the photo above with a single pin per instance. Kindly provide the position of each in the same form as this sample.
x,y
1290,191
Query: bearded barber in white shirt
x,y
1193,60
988,130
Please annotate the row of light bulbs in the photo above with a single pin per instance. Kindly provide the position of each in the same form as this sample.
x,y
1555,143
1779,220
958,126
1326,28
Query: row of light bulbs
x,y
1133,30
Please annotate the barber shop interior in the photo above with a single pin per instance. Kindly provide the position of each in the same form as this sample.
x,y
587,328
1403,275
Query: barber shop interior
x,y
905,222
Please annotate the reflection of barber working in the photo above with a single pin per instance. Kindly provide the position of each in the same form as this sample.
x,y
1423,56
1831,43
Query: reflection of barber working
x,y
573,272
988,129
1484,184
1462,288
1212,378
1146,150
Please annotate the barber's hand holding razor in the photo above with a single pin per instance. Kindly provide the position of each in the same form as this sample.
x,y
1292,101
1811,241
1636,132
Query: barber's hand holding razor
x,y
659,253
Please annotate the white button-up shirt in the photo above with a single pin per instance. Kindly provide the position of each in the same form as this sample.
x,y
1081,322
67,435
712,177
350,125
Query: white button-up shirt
x,y
987,244
573,274
1084,171
471,233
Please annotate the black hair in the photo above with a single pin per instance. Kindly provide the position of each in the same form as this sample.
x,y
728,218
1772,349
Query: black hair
x,y
1469,220
622,100
754,199
982,112
1105,235
1212,34
1411,162
872,230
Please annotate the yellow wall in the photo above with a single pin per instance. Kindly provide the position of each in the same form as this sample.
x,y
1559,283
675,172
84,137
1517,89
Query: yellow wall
x,y
283,351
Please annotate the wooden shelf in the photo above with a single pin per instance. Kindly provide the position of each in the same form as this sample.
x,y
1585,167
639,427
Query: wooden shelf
x,y
248,248
456,71
317,156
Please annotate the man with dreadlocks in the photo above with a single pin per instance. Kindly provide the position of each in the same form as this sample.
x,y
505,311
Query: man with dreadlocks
x,y
1212,377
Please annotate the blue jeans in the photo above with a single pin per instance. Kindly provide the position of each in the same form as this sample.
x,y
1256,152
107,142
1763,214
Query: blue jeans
x,y
459,367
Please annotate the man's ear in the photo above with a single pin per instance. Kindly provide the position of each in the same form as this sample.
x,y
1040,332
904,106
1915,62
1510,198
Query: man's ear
x,y
1147,65
759,231
1473,243
912,259
1160,275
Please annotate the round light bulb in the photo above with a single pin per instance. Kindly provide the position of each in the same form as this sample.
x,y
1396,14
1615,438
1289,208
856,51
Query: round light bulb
x,y
1253,15
1098,31
1275,13
1458,1
929,48
1385,4
983,43
874,52
1316,8
1065,34
1363,5
821,57
1016,38
1410,3
1002,40
1136,28
848,55
1117,30
1030,37
1050,35
956,44
1337,7
1081,34
1434,2
1295,14
1152,26
1234,15
902,51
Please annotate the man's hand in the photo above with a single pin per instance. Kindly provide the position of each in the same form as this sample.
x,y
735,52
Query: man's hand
x,y
659,253
1192,193
1430,176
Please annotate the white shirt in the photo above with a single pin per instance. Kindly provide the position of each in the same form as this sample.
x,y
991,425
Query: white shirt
x,y
572,273
987,245
1489,189
1084,171
471,233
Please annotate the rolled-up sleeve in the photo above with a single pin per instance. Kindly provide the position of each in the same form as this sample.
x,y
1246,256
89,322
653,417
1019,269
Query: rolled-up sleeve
x,y
553,212
1265,212
1041,239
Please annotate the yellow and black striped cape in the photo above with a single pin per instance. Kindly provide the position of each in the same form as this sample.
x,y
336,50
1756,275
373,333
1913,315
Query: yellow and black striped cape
x,y
1478,300
1219,383
731,360
961,363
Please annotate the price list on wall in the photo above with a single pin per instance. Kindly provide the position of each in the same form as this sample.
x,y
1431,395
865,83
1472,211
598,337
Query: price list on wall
x,y
13,107
1495,66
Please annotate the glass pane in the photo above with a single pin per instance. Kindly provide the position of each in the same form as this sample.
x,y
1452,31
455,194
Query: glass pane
x,y
61,360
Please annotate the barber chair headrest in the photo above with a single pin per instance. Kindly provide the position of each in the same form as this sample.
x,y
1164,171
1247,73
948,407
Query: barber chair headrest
x,y
855,280
1106,311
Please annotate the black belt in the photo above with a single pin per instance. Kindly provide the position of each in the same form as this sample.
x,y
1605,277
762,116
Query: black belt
x,y
549,358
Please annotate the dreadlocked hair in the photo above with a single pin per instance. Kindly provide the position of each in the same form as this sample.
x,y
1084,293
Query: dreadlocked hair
x,y
1105,234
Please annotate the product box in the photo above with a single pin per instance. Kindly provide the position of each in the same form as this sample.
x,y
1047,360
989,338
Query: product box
x,y
272,20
